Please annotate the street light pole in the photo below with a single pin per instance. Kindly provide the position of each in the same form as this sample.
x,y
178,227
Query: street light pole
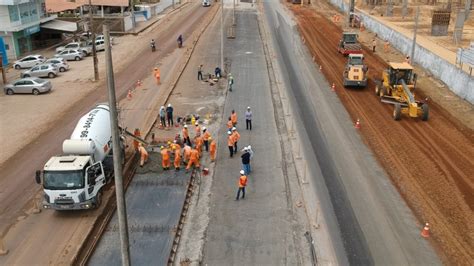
x,y
414,36
94,51
117,152
222,35
233,14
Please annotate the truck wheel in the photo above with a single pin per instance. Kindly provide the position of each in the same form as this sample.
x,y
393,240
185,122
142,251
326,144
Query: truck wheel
x,y
397,112
425,112
98,199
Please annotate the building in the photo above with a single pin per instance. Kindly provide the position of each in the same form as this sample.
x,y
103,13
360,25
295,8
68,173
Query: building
x,y
19,21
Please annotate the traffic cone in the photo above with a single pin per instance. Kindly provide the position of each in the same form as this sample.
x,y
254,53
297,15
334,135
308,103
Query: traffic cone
x,y
3,250
129,94
139,83
426,231
357,124
320,68
333,87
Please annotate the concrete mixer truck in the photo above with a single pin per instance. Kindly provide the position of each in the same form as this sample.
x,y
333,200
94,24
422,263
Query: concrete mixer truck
x,y
74,180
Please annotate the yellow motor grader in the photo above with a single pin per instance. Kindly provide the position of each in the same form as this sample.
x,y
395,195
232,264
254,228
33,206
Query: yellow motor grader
x,y
397,87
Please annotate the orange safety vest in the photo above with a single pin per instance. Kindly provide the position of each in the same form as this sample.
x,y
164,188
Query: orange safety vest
x,y
198,129
213,146
164,154
185,133
206,135
230,141
233,118
177,147
236,136
243,181
194,155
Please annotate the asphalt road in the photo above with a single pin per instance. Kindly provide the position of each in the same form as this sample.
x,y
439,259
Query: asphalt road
x,y
50,229
256,230
371,221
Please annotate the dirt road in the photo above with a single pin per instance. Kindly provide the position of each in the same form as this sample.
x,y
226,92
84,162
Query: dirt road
x,y
431,163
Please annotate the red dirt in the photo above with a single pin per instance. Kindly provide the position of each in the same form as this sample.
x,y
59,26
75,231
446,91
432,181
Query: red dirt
x,y
431,163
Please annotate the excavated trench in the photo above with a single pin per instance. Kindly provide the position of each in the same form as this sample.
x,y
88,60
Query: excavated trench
x,y
431,163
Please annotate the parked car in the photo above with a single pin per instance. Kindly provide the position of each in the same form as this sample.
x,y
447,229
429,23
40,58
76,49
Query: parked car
x,y
102,38
76,46
29,61
70,55
28,85
60,63
99,45
206,3
43,70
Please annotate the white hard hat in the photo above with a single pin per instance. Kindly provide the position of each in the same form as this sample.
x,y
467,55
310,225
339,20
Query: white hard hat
x,y
197,124
204,128
228,132
249,147
162,107
242,172
234,128
248,107
185,126
169,105
245,149
175,141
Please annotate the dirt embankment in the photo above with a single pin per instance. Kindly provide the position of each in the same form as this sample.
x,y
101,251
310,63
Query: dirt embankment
x,y
431,163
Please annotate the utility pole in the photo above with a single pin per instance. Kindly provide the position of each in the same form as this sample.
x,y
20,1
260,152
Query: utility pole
x,y
2,69
94,51
117,152
222,36
412,56
233,14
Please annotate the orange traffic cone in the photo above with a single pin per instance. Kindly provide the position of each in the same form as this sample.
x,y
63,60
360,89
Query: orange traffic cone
x,y
139,83
129,94
333,87
426,231
357,124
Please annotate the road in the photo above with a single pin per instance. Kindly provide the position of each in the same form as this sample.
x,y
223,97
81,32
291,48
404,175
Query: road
x,y
17,180
257,230
431,163
374,223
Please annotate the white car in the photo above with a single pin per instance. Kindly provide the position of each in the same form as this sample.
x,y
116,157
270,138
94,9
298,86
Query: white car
x,y
102,38
70,55
28,85
206,3
99,45
41,71
75,46
60,63
29,61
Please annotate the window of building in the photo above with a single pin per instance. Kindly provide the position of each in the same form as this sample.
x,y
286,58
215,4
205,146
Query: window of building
x,y
13,12
7,47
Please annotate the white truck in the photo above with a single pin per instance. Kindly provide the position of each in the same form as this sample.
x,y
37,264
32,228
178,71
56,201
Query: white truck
x,y
74,180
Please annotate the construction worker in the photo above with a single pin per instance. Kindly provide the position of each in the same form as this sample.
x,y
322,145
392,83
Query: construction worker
x,y
233,117
408,60
165,158
177,139
242,184
177,156
162,117
198,141
230,143
248,118
186,135
231,81
229,124
193,159
374,44
136,133
236,137
156,74
186,153
245,161
143,154
169,115
197,129
212,149
200,72
205,137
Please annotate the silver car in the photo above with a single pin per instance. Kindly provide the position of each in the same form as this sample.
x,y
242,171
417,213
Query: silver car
x,y
28,85
60,63
70,55
43,70
29,61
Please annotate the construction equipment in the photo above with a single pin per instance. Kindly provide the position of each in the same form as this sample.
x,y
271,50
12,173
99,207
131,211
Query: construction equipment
x,y
397,87
355,72
349,44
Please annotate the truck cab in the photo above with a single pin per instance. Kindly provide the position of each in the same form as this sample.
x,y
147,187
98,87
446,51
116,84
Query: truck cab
x,y
72,182
349,44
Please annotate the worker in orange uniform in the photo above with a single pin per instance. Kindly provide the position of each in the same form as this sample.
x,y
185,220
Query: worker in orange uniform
x,y
186,135
236,137
212,149
165,158
205,137
177,156
230,143
193,159
143,154
242,184
198,141
186,153
233,117
136,133
229,124
156,74
197,129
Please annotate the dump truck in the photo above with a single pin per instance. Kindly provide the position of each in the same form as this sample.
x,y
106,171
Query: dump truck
x,y
397,87
74,179
355,72
349,44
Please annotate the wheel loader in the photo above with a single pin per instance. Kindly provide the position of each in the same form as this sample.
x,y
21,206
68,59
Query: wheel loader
x,y
397,87
355,72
